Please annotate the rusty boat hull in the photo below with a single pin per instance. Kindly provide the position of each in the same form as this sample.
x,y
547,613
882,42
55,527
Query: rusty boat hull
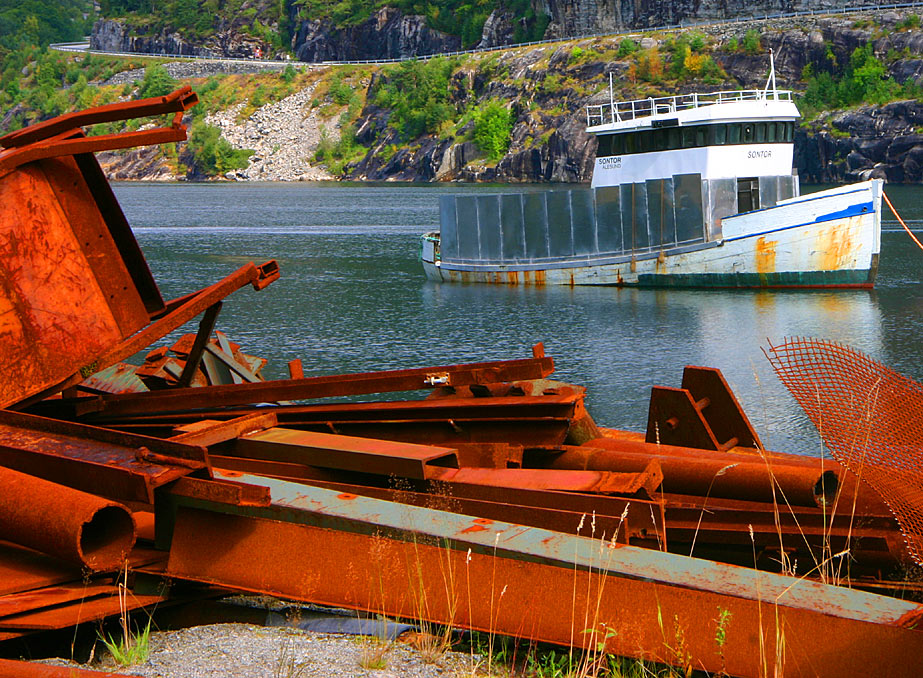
x,y
826,239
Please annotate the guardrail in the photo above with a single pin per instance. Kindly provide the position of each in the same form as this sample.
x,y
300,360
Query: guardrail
x,y
644,108
684,25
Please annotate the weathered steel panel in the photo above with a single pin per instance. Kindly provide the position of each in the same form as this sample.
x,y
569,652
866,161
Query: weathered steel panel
x,y
489,227
560,234
640,212
769,191
536,225
583,219
609,219
687,199
511,221
466,227
448,228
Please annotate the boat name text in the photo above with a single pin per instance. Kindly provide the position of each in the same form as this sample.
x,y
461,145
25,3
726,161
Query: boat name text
x,y
612,162
759,154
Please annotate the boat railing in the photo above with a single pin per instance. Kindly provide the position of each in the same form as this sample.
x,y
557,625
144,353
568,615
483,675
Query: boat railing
x,y
619,111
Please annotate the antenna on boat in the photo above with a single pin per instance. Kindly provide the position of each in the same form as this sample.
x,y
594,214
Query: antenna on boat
x,y
771,80
611,100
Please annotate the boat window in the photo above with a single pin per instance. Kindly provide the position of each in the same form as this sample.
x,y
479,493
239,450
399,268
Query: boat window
x,y
688,137
746,134
760,132
717,135
789,131
660,139
771,131
604,145
644,142
700,135
631,145
618,144
673,138
734,134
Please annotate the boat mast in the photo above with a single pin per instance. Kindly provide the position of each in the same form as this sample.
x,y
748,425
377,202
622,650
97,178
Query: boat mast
x,y
772,78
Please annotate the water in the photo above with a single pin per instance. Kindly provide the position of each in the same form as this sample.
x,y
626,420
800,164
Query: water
x,y
353,298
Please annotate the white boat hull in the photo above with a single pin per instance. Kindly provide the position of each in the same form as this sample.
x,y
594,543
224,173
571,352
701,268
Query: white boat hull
x,y
826,239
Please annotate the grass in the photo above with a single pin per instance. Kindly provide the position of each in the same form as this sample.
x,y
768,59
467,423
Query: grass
x,y
133,647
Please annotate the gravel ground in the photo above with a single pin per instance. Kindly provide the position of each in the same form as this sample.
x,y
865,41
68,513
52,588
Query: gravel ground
x,y
248,651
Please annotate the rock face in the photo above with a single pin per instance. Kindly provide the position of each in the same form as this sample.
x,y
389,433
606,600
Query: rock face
x,y
387,34
871,142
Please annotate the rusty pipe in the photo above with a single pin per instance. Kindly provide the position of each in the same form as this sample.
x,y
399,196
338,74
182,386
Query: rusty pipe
x,y
10,668
732,476
69,524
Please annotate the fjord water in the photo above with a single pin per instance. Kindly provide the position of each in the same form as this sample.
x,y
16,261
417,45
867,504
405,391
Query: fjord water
x,y
353,298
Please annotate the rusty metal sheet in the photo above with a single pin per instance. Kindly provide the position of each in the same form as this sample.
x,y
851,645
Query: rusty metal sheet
x,y
118,378
177,400
10,668
343,452
28,601
112,464
602,482
207,432
56,314
639,602
78,612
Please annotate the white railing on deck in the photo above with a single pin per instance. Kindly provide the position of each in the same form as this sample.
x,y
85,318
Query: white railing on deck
x,y
618,111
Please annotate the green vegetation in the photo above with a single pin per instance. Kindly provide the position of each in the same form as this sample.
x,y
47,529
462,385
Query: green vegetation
x,y
417,92
213,154
40,22
493,125
751,42
863,81
157,82
132,648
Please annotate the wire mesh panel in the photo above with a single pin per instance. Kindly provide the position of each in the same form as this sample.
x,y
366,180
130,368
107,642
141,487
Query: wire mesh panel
x,y
466,215
560,236
489,234
870,417
514,239
687,199
448,234
583,221
608,219
536,225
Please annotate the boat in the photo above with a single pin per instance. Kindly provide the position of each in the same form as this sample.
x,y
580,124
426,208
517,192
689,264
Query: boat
x,y
691,190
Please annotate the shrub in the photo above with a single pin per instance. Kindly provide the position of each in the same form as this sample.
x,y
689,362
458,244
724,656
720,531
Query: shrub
x,y
156,83
213,154
751,43
493,125
627,47
417,92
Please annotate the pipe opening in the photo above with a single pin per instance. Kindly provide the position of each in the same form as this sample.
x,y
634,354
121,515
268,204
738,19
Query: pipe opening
x,y
826,488
107,538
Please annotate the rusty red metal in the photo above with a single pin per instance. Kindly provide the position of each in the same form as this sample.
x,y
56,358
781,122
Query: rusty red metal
x,y
10,668
473,573
51,596
75,526
602,482
347,453
117,465
178,400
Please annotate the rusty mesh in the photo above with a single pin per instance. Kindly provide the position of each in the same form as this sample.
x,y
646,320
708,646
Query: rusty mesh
x,y
869,416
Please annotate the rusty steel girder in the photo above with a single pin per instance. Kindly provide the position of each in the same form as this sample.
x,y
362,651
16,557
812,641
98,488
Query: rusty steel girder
x,y
340,549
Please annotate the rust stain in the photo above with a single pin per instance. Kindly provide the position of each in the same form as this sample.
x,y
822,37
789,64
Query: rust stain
x,y
835,246
483,521
346,496
473,528
512,277
765,256
539,277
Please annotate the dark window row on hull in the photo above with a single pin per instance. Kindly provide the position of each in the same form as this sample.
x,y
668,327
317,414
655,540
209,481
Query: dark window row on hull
x,y
694,136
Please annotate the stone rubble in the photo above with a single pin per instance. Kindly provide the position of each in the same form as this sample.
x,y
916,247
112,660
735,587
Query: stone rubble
x,y
283,138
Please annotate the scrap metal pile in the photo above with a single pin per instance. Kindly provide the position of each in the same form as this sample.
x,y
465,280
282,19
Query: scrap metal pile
x,y
493,503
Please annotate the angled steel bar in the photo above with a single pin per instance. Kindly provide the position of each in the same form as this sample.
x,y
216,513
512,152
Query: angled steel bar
x,y
178,100
206,327
596,594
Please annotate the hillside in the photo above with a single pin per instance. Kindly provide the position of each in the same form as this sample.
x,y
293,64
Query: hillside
x,y
514,115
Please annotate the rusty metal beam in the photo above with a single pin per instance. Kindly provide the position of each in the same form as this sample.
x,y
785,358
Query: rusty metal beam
x,y
642,483
210,397
344,452
206,327
117,465
178,100
428,564
10,668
